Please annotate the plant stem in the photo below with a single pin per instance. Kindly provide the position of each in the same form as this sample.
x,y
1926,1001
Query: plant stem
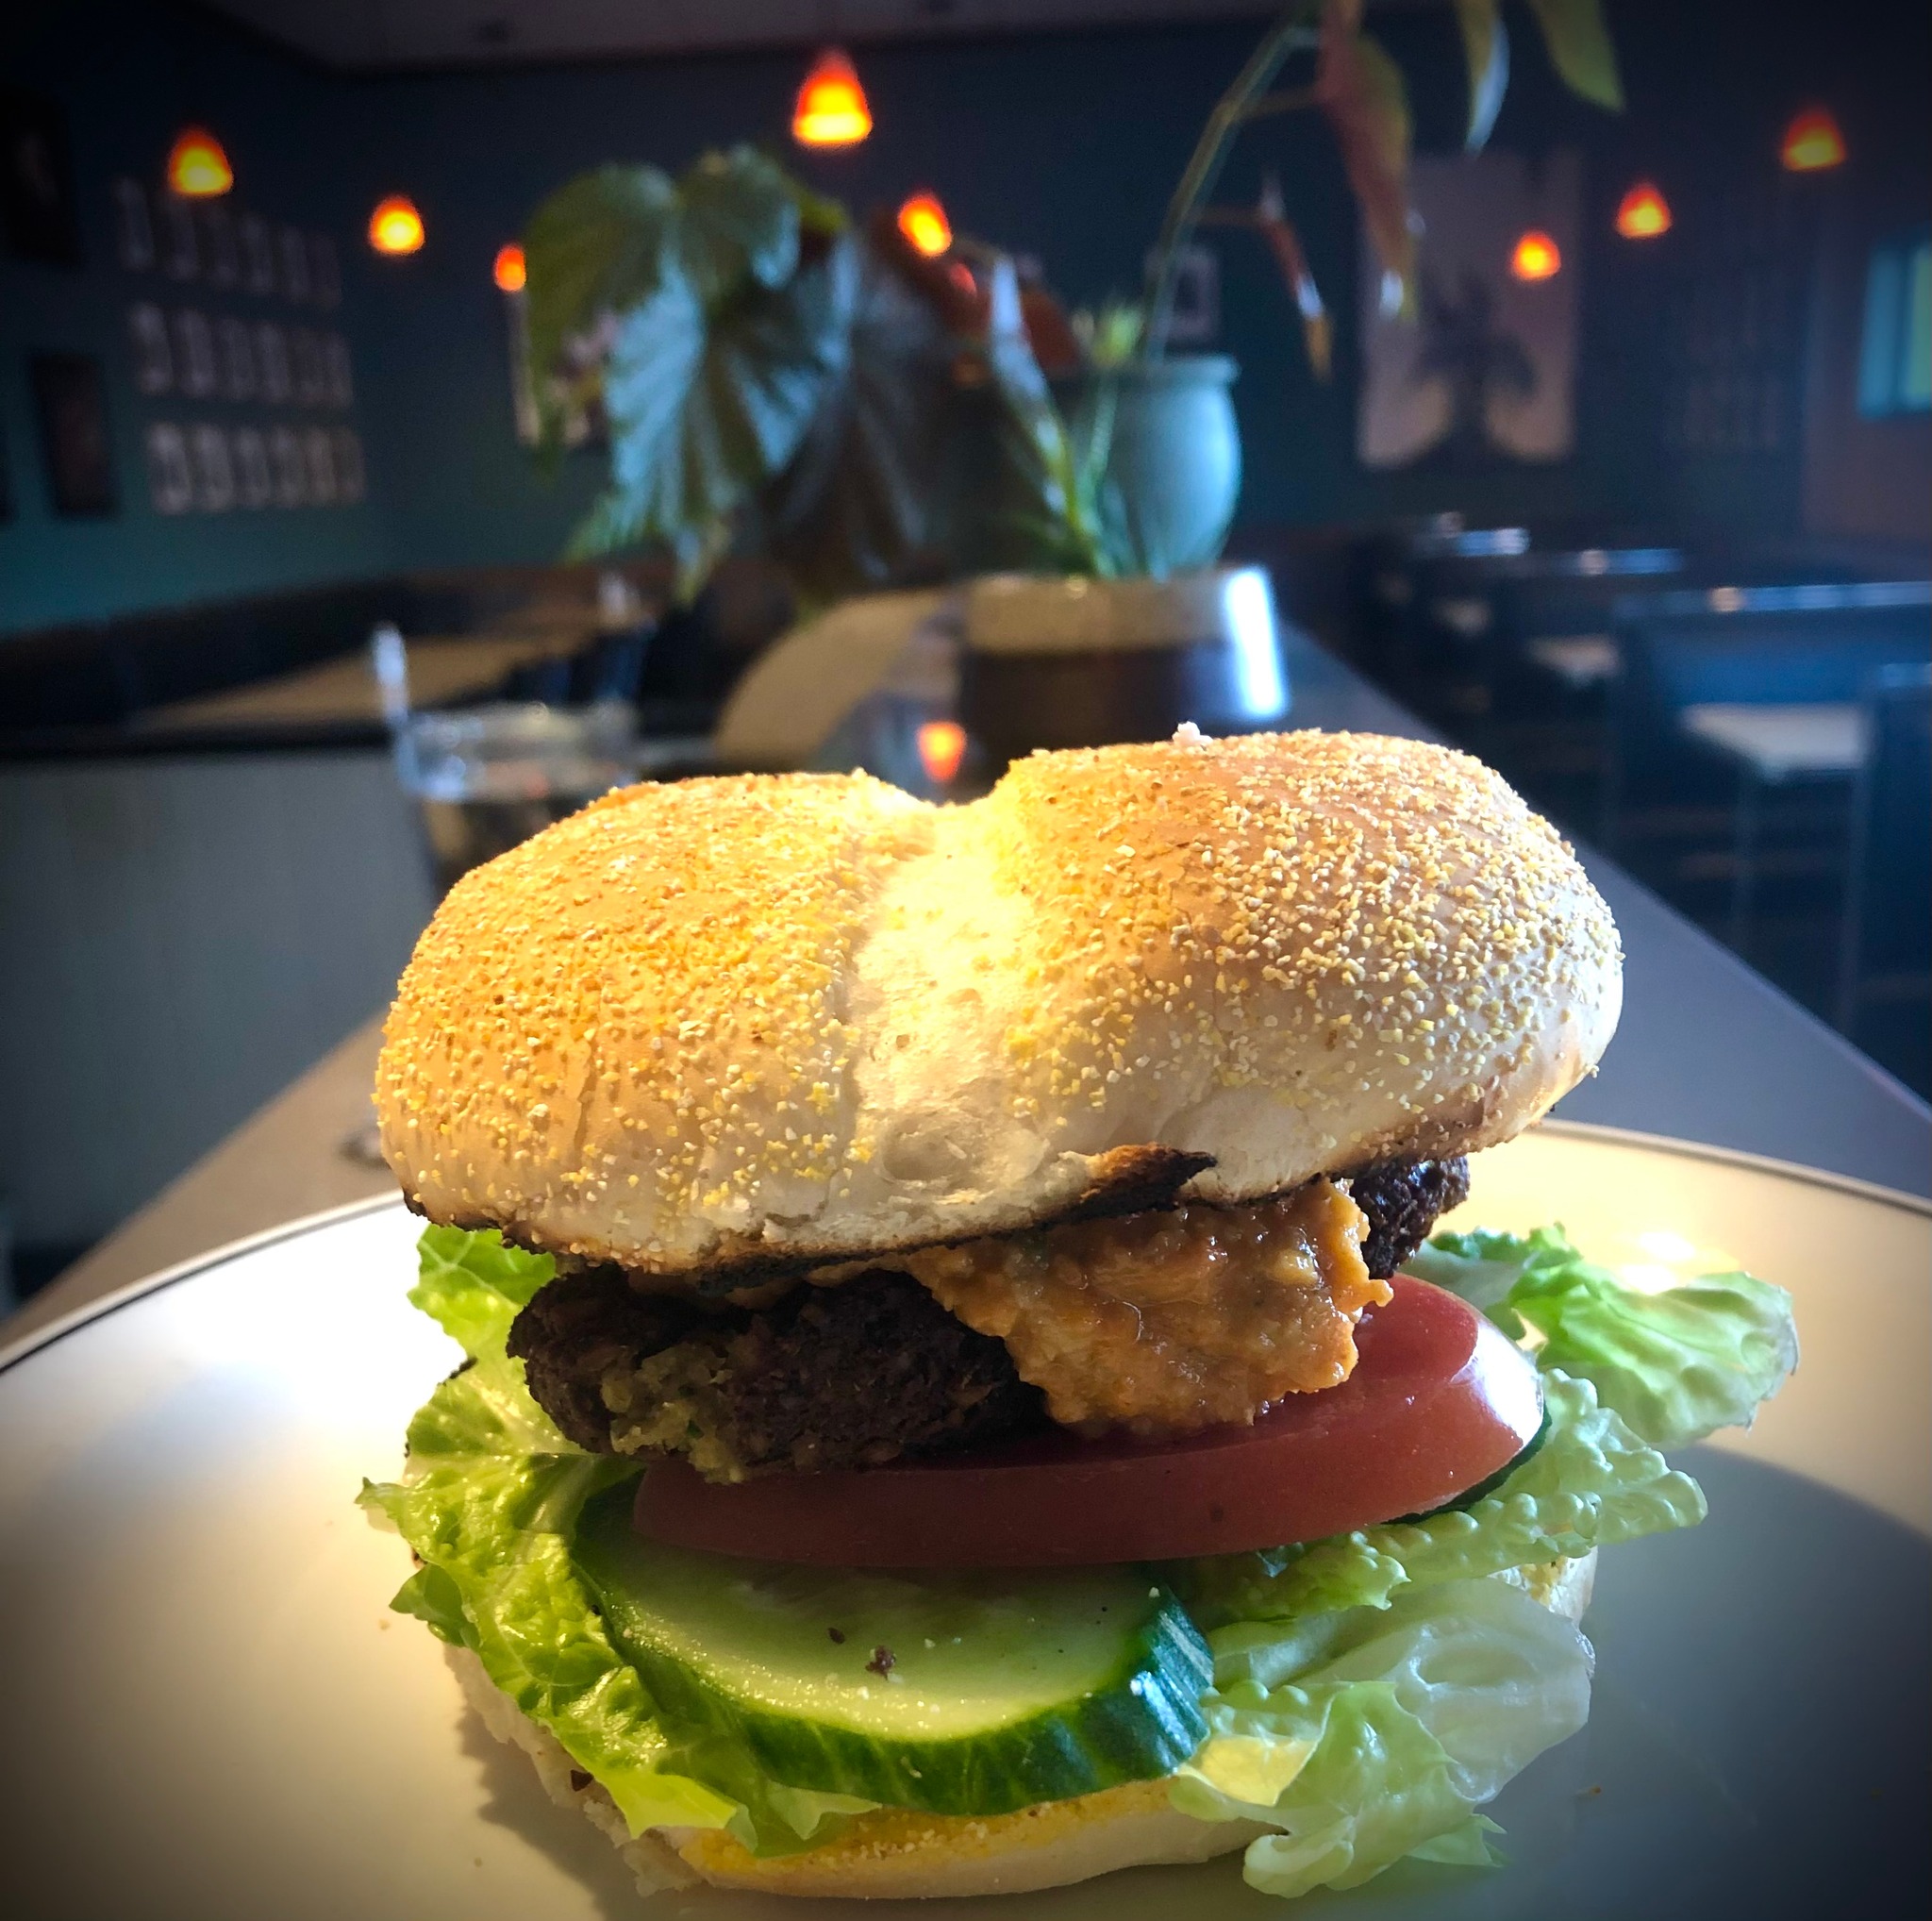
x,y
1293,33
1289,100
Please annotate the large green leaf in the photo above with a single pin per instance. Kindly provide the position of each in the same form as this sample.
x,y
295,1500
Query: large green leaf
x,y
1580,49
1486,46
1035,504
707,407
595,246
864,503
740,222
721,307
1366,99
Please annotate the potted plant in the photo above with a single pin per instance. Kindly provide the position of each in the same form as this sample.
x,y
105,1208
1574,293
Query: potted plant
x,y
769,372
766,372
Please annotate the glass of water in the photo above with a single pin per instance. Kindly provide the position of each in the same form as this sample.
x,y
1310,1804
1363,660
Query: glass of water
x,y
488,777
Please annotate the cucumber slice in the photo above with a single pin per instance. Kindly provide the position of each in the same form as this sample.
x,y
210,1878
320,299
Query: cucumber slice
x,y
959,1693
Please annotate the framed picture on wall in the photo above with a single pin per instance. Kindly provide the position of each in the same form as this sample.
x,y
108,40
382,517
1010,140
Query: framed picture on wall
x,y
257,253
1195,318
1484,369
255,481
214,472
292,467
153,358
36,181
351,479
134,226
71,398
170,479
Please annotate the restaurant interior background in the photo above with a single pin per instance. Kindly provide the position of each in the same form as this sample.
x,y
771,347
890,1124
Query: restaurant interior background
x,y
1638,509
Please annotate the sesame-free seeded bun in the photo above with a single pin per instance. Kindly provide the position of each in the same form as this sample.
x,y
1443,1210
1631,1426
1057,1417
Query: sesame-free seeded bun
x,y
807,1016
897,1854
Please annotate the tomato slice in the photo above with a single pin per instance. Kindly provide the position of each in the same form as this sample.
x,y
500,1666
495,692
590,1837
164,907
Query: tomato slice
x,y
1440,1400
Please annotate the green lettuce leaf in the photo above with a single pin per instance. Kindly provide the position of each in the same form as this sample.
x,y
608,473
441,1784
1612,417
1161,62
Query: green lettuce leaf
x,y
472,1285
1676,1364
1383,1736
1591,1484
490,1505
1371,1690
483,1409
496,1531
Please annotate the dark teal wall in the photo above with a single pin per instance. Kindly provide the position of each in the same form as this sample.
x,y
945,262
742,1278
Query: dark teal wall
x,y
129,77
1064,146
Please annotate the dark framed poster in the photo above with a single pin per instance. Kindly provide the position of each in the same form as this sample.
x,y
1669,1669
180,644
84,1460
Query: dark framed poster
x,y
1484,370
70,397
37,203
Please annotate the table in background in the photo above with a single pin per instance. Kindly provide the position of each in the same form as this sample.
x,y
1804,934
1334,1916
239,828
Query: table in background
x,y
1707,1050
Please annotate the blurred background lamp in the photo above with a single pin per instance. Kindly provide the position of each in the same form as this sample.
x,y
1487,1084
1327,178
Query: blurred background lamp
x,y
512,270
831,110
923,223
395,226
1643,212
198,169
1535,257
1813,142
941,748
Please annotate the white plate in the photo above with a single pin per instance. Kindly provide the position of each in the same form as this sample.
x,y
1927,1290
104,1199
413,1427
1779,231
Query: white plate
x,y
207,1712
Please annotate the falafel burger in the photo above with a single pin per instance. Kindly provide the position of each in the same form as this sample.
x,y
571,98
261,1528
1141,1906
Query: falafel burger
x,y
964,1390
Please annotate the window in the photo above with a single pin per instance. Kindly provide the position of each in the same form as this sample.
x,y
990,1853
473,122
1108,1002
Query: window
x,y
1895,358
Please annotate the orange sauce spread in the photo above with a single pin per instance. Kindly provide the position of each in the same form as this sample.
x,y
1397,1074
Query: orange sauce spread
x,y
1168,1321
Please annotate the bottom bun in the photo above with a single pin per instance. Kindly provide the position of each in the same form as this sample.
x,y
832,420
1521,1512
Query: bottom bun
x,y
893,1853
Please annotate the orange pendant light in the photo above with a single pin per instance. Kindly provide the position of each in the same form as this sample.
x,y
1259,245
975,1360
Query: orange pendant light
x,y
831,110
511,272
198,167
941,748
1813,142
923,223
1643,212
1536,257
395,226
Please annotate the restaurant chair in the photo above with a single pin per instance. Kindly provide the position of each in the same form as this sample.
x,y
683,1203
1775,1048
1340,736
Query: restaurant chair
x,y
1735,732
1885,957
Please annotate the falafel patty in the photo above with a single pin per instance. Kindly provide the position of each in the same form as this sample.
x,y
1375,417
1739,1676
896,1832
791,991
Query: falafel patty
x,y
853,1375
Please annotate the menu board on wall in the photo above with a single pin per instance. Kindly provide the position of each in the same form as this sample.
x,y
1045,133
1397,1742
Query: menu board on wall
x,y
238,345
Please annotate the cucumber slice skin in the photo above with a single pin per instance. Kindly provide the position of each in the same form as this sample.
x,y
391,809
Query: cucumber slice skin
x,y
1140,1722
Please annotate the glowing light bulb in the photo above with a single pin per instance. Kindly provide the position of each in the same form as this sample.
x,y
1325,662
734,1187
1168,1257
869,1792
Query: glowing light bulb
x,y
512,270
1536,258
395,226
941,748
832,110
923,223
198,168
1643,212
1813,142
